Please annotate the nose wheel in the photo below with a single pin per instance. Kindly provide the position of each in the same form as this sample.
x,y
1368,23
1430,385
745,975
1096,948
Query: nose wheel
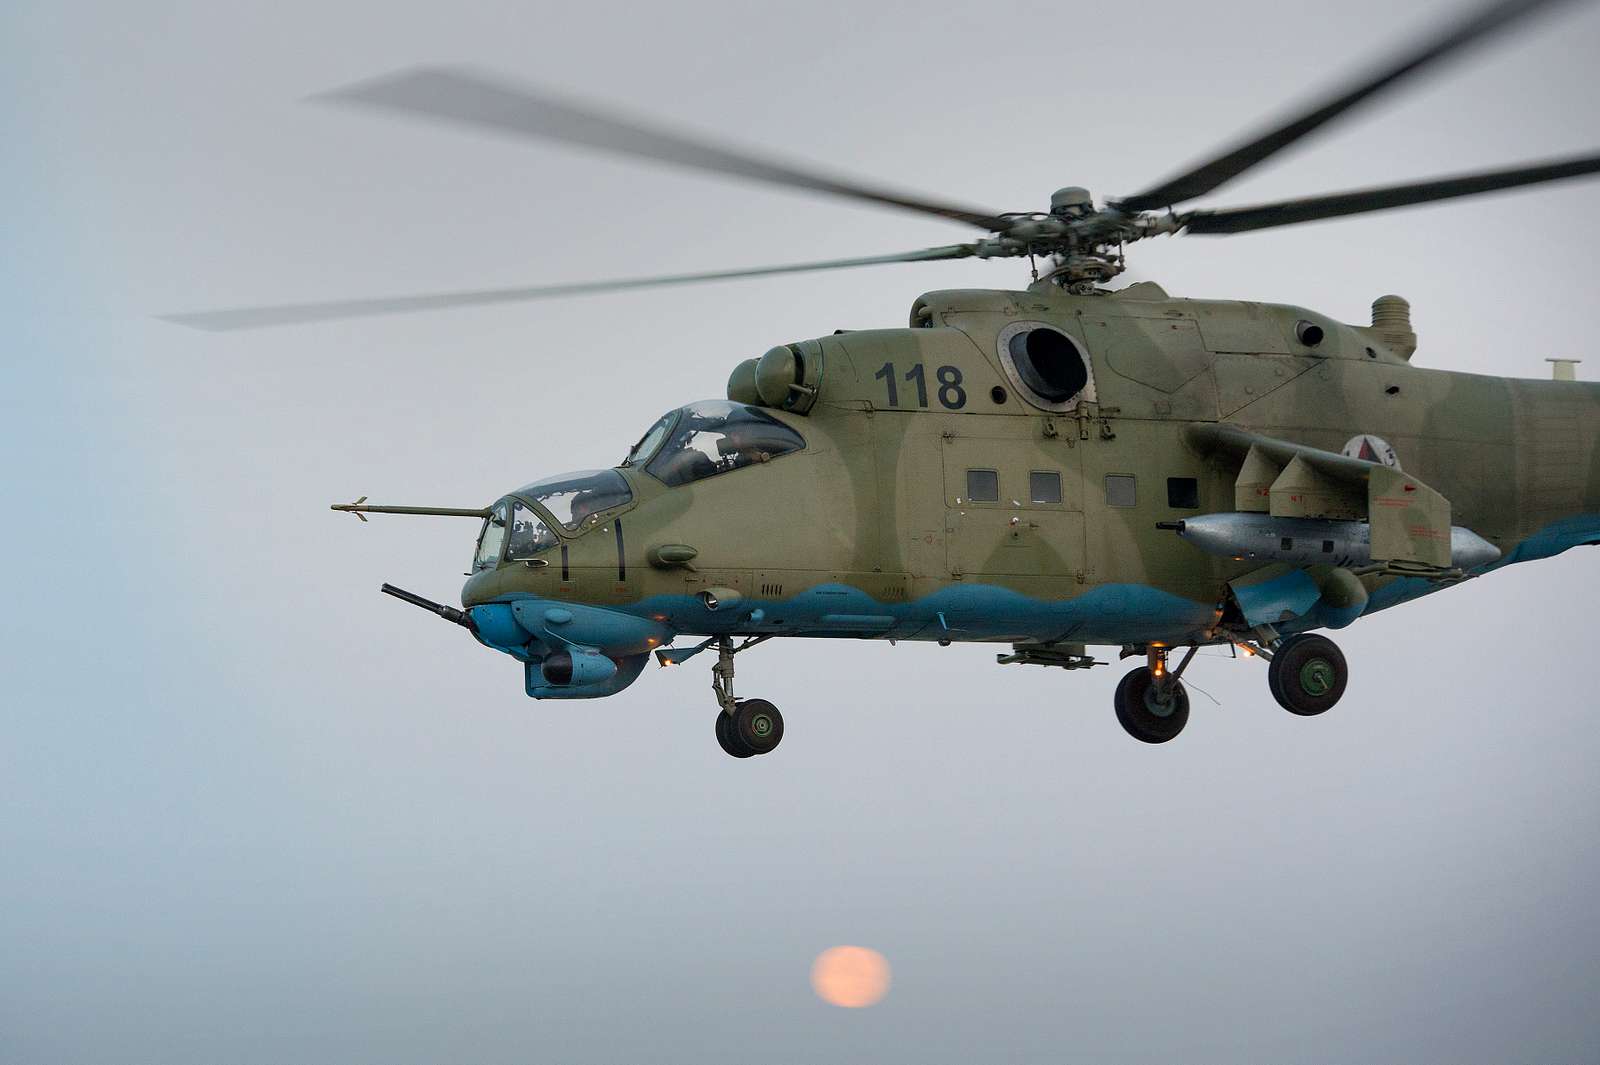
x,y
745,727
755,727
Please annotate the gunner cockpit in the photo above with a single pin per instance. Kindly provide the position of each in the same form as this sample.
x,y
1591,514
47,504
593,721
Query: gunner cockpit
x,y
524,524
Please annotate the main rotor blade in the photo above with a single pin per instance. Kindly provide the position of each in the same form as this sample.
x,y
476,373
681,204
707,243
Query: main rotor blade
x,y
477,100
298,313
1360,201
1213,173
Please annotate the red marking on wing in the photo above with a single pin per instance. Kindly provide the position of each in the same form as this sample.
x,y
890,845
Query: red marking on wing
x,y
1426,532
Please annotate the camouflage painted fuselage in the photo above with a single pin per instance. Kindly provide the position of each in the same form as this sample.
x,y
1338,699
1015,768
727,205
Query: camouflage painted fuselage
x,y
870,532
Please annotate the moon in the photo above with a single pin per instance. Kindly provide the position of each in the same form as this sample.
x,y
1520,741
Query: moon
x,y
852,977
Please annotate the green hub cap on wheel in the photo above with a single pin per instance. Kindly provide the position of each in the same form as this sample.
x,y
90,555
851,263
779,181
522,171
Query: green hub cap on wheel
x,y
761,724
1316,676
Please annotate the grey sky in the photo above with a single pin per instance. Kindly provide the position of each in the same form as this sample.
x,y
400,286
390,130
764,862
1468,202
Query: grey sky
x,y
251,811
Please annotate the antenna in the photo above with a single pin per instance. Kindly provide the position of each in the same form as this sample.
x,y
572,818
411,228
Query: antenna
x,y
1563,369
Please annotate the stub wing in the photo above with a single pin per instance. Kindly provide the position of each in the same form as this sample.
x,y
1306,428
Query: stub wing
x,y
1410,521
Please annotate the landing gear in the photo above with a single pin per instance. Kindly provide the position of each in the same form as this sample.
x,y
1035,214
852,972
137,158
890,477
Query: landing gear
x,y
1307,674
1152,704
728,740
755,727
745,727
758,725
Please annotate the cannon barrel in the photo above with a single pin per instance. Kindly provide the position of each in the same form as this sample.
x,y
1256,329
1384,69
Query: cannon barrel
x,y
449,613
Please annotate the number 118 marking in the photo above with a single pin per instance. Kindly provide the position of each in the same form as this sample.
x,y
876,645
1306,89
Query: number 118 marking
x,y
951,395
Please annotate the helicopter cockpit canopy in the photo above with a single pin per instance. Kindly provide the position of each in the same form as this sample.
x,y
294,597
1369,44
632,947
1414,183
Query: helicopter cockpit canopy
x,y
685,445
710,437
571,497
532,513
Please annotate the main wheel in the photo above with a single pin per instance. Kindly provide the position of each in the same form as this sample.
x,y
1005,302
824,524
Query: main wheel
x,y
758,725
1307,674
728,739
1142,712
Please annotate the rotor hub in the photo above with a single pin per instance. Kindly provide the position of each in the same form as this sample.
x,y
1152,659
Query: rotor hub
x,y
1083,243
1071,202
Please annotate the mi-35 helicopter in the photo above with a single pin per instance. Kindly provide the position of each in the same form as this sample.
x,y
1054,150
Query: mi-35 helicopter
x,y
1053,468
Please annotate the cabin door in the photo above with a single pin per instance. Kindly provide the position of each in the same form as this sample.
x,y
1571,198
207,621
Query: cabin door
x,y
1014,509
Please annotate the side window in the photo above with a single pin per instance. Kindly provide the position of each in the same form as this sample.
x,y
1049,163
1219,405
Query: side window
x,y
1121,490
645,449
1044,486
983,486
1183,493
529,534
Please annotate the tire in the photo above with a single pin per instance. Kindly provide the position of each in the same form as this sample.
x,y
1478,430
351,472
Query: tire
x,y
1144,718
728,740
758,725
1307,674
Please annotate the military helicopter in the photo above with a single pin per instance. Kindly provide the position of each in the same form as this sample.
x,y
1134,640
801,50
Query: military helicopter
x,y
1053,468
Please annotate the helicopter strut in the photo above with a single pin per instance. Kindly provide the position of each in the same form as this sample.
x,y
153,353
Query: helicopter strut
x,y
745,727
1167,680
722,672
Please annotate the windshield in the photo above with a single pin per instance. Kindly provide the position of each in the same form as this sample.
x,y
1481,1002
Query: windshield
x,y
645,449
491,539
529,533
571,497
717,436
